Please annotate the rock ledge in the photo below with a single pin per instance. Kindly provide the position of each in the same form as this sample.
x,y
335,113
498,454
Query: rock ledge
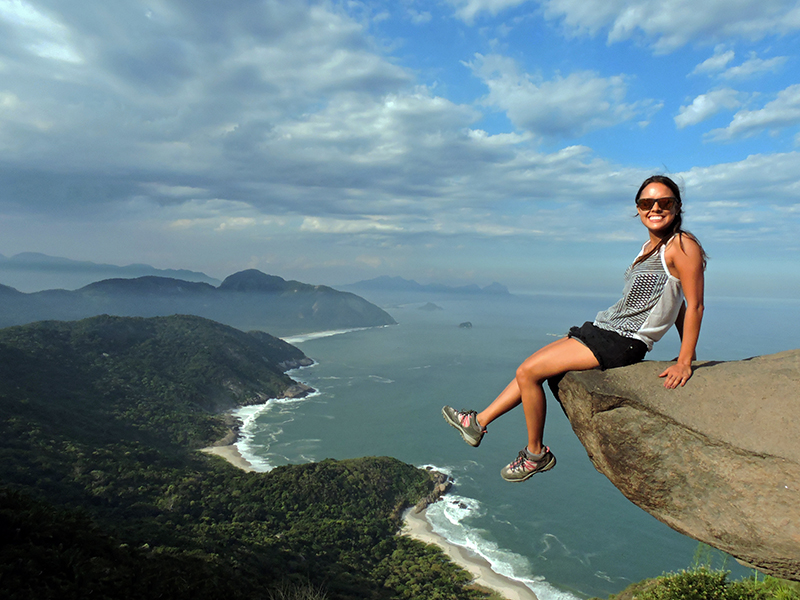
x,y
717,460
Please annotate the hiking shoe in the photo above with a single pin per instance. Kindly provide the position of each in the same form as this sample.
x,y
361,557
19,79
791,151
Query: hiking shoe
x,y
527,464
466,423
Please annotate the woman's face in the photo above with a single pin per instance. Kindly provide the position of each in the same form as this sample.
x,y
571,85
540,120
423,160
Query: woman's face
x,y
657,219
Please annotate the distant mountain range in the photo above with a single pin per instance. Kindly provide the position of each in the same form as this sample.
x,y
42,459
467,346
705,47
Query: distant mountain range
x,y
248,300
32,272
398,284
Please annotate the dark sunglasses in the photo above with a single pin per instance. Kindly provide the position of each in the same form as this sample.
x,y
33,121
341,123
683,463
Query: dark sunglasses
x,y
664,203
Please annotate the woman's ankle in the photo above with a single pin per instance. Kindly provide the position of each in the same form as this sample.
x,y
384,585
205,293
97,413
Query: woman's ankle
x,y
536,454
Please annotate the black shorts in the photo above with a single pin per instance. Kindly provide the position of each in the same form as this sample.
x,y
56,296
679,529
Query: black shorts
x,y
609,348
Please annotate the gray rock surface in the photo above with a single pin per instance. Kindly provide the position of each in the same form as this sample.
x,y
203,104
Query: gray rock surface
x,y
718,460
441,485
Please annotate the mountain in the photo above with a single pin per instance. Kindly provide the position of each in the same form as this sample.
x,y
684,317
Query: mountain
x,y
33,271
103,493
398,284
246,300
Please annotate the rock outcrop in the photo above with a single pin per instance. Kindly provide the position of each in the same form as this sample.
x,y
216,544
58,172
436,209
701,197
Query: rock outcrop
x,y
717,460
441,485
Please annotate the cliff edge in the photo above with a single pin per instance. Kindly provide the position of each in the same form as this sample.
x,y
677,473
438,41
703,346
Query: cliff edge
x,y
717,460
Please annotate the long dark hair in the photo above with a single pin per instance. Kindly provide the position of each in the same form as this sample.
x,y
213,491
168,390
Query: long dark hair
x,y
675,227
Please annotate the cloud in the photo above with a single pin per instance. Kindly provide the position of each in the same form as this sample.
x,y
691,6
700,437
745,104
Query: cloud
x,y
563,107
754,66
36,32
671,24
765,179
716,63
782,112
706,106
347,226
287,130
230,121
468,10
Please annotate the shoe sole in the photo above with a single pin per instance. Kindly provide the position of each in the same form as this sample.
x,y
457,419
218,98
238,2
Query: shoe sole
x,y
457,426
547,467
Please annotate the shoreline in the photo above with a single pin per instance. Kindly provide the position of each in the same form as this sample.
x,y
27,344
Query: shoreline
x,y
416,526
231,454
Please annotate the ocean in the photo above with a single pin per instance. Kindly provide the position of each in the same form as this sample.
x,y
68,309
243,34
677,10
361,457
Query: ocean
x,y
567,533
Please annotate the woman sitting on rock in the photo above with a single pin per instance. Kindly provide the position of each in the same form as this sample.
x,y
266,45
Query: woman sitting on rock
x,y
664,285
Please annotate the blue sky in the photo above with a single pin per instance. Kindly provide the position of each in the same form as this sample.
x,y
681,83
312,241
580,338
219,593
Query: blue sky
x,y
461,141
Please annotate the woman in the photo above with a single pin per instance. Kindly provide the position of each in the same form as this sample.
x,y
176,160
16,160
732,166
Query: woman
x,y
663,286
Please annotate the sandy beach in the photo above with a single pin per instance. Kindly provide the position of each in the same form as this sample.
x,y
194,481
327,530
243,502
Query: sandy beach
x,y
416,525
231,454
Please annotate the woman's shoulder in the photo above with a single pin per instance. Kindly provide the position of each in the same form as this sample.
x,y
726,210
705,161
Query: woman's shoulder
x,y
683,241
684,245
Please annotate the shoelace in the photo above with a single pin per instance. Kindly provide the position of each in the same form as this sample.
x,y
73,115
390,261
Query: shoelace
x,y
463,416
522,457
519,461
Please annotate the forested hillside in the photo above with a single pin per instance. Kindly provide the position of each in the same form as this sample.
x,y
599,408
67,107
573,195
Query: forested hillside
x,y
105,496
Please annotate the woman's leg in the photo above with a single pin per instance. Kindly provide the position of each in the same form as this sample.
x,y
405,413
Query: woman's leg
x,y
566,354
509,398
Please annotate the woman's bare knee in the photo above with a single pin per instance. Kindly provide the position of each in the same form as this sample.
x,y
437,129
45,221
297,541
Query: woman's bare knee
x,y
529,371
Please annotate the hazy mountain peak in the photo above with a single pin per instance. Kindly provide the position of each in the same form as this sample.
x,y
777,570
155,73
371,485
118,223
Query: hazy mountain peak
x,y
148,284
253,280
34,271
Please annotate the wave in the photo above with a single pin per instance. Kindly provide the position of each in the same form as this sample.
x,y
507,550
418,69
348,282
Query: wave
x,y
450,518
304,337
257,453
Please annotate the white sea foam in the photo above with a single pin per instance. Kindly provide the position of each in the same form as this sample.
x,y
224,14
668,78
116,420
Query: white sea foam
x,y
256,453
299,339
250,451
450,518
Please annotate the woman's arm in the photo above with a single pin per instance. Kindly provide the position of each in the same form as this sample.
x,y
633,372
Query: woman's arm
x,y
687,260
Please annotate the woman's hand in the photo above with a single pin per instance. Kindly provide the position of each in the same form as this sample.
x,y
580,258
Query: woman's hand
x,y
676,375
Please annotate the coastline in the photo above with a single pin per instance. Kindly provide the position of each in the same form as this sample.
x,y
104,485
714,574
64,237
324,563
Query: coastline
x,y
416,526
231,454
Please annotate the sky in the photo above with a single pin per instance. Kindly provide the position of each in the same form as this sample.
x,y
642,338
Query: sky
x,y
453,141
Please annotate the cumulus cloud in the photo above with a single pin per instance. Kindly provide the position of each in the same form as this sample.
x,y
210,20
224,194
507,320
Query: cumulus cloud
x,y
782,112
706,106
561,107
468,10
754,66
670,24
716,63
268,111
286,130
760,178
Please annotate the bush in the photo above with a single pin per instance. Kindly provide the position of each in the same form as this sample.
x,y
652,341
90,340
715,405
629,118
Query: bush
x,y
704,583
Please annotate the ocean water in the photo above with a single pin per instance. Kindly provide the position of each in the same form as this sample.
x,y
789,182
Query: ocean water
x,y
567,533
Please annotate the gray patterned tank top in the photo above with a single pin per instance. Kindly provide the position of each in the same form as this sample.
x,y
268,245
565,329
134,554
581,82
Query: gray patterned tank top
x,y
651,300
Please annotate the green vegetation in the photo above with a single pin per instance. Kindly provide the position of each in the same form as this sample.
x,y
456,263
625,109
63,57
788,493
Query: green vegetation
x,y
105,496
704,582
